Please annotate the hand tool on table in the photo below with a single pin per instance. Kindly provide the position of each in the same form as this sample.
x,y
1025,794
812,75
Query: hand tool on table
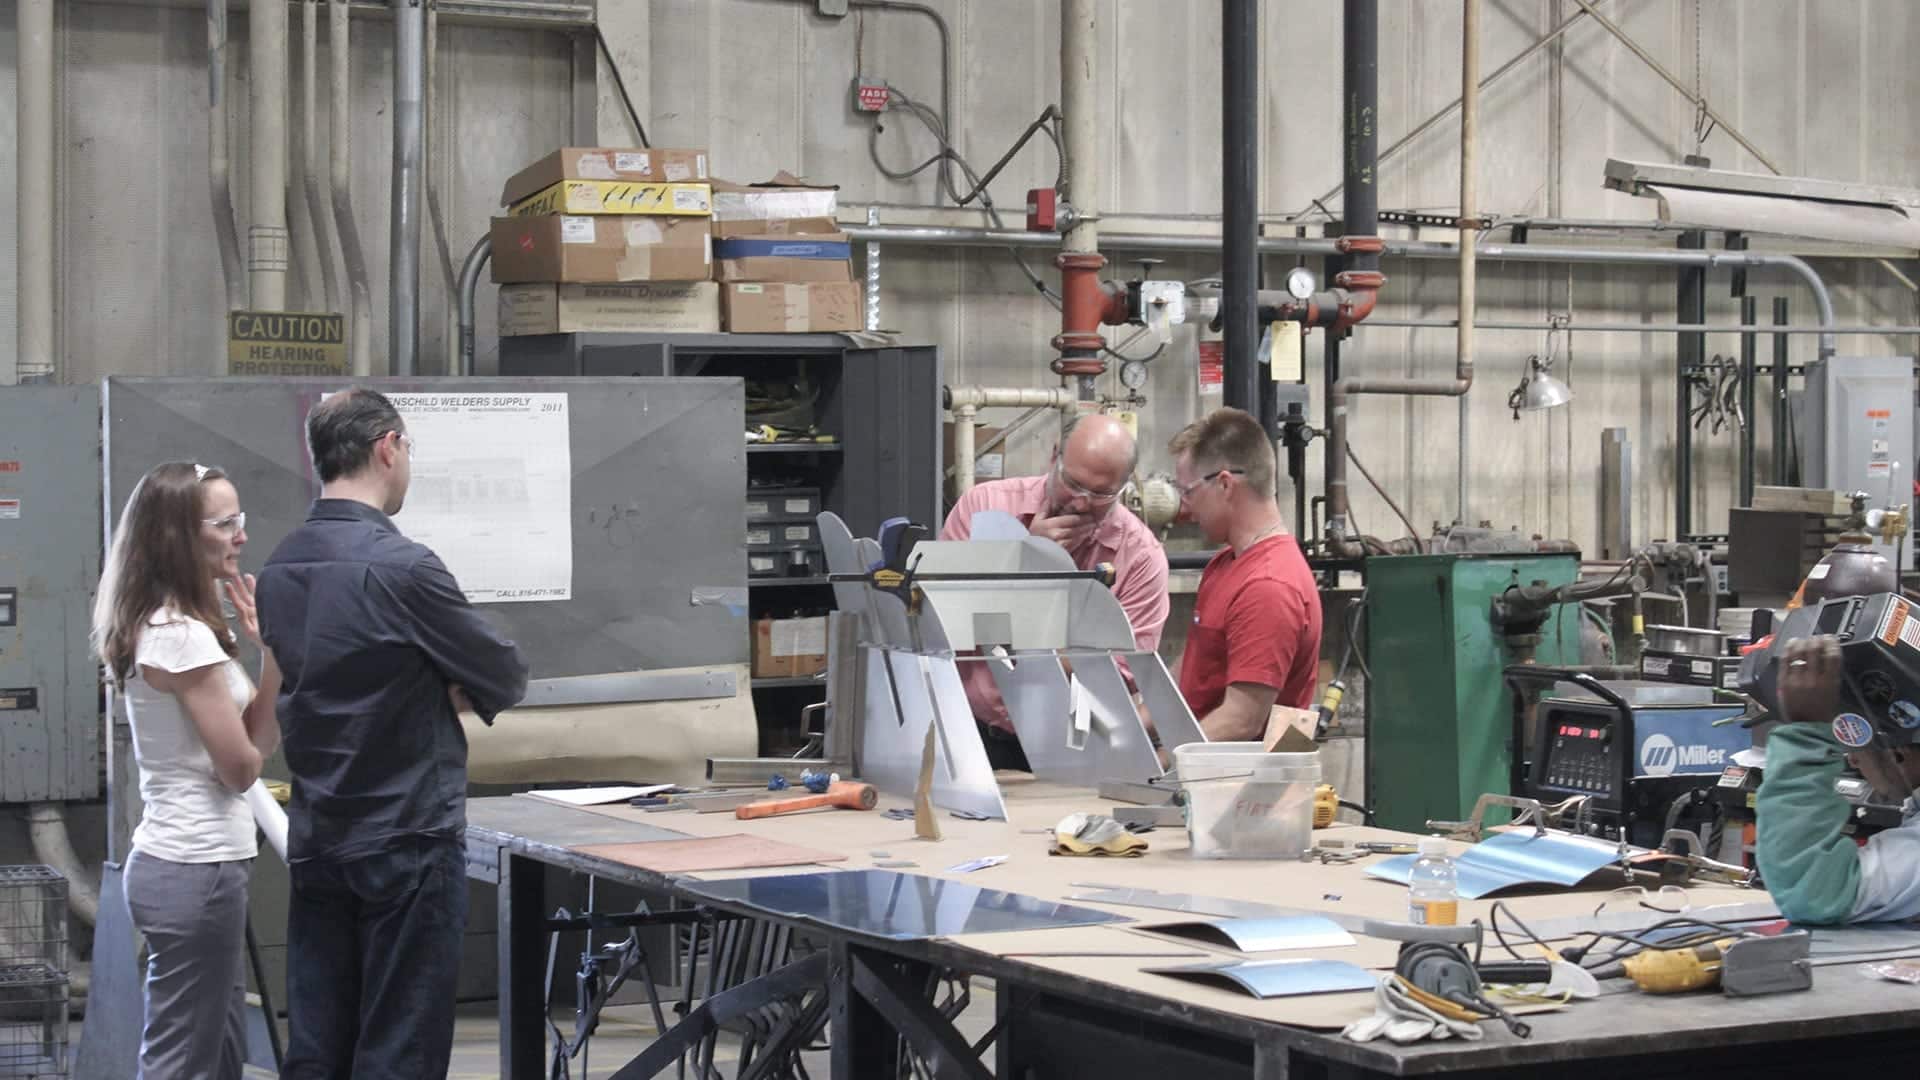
x,y
1742,966
846,795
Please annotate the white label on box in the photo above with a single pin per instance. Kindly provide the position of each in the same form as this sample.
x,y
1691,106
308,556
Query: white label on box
x,y
634,163
644,232
694,199
799,506
1703,667
756,508
759,564
10,509
1654,665
700,165
678,172
576,230
759,536
799,532
990,466
750,290
799,637
595,167
1819,572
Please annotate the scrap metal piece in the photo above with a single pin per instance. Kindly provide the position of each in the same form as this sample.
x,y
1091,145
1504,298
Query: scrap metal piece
x,y
1774,964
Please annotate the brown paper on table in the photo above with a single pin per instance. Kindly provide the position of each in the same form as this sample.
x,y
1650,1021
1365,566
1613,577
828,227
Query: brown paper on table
x,y
737,851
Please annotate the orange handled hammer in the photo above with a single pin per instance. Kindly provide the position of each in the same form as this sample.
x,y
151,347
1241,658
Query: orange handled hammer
x,y
845,794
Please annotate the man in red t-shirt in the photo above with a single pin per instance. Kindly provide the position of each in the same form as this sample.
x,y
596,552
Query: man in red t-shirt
x,y
1255,638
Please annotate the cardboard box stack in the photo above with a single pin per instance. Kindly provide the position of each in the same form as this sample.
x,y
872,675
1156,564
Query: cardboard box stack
x,y
607,239
783,263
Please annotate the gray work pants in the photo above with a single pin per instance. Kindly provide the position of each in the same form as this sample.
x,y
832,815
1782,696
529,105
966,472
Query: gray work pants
x,y
194,917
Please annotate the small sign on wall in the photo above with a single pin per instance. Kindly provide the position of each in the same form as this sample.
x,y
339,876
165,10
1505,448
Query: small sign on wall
x,y
286,343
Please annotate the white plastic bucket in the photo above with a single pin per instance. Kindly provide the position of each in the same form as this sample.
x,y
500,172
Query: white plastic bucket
x,y
1244,803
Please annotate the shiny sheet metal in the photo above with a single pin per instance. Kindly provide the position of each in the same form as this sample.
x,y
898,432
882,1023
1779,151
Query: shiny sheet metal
x,y
1041,702
1267,934
1196,904
902,690
995,525
1275,978
837,544
1511,859
1172,720
883,903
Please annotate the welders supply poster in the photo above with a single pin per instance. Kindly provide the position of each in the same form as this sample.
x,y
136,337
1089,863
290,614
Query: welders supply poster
x,y
492,491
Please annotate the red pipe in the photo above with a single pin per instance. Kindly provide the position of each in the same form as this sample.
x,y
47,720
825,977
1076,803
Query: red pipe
x,y
1086,304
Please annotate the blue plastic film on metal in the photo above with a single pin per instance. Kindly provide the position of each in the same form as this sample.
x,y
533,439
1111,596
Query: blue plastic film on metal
x,y
1511,859
1276,978
1262,935
882,903
760,248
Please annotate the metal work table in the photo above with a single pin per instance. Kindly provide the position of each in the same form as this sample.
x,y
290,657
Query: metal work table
x,y
1056,1023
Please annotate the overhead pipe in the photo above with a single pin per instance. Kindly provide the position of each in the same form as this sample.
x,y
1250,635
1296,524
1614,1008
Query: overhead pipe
x,y
311,170
219,166
34,105
1338,542
340,150
1085,301
267,155
1240,210
409,90
965,402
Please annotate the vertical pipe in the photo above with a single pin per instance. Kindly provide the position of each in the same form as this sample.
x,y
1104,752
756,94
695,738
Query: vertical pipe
x,y
34,340
1469,228
409,80
469,286
219,166
1239,179
1780,421
1360,85
963,416
340,150
311,168
1692,352
267,155
1080,108
431,168
1749,347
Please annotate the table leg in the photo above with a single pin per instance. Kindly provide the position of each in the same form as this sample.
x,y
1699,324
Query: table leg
x,y
523,957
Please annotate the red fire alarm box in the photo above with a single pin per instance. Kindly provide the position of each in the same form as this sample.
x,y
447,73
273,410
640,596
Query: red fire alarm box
x,y
1042,209
871,95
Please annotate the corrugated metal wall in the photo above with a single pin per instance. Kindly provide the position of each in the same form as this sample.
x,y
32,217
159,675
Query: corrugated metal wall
x,y
1822,86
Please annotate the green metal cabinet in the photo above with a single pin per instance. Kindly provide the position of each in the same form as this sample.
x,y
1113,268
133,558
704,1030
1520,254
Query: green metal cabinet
x,y
1439,716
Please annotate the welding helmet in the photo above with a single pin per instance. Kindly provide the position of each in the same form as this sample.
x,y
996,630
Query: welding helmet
x,y
1879,636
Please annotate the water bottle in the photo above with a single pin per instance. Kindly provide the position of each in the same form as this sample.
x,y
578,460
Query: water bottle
x,y
1433,896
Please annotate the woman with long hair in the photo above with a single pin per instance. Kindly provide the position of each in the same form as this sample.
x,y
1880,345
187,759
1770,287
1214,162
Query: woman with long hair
x,y
201,729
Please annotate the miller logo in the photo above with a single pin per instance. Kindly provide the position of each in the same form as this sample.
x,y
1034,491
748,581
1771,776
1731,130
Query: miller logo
x,y
1660,757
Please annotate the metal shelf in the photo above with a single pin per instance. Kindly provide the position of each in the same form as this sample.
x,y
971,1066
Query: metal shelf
x,y
793,448
795,680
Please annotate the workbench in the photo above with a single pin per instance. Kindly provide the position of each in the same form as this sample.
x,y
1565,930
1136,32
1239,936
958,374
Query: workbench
x,y
1101,1016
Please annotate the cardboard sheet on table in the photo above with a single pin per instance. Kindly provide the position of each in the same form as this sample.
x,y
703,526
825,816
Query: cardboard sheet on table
x,y
866,838
732,852
1511,860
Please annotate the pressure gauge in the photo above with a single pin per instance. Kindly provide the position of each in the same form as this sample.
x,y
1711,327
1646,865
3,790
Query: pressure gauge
x,y
1300,283
1133,374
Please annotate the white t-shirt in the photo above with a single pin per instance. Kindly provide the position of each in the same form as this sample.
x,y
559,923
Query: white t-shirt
x,y
189,816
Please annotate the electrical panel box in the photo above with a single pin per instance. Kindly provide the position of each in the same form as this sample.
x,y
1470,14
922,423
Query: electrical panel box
x,y
50,542
1441,727
1859,433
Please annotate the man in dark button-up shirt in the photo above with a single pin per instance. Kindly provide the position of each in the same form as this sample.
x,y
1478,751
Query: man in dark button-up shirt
x,y
379,649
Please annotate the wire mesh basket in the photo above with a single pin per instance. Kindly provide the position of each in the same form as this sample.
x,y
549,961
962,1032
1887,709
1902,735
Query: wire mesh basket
x,y
33,917
33,1021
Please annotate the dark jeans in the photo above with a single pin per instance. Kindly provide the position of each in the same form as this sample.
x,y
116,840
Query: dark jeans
x,y
1003,748
373,951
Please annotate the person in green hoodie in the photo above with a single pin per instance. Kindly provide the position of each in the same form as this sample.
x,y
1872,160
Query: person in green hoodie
x,y
1815,872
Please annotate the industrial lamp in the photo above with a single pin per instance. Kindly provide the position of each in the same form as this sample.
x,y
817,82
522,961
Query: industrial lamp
x,y
1538,389
1690,194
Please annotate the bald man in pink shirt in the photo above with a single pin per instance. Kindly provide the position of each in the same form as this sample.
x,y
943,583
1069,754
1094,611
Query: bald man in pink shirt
x,y
1075,503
